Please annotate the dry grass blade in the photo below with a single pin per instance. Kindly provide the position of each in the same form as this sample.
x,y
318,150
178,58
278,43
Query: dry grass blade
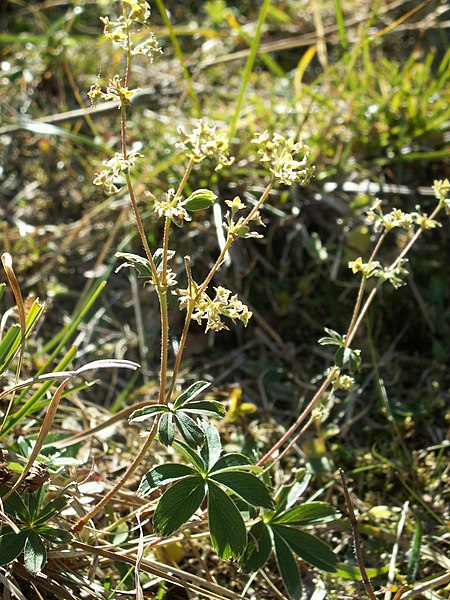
x,y
172,574
53,407
356,538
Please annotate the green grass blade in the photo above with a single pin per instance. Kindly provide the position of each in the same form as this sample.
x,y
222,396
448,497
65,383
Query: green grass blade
x,y
180,56
249,66
63,336
414,555
33,404
48,129
340,22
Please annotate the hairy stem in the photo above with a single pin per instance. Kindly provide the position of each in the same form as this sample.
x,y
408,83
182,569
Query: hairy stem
x,y
351,332
362,288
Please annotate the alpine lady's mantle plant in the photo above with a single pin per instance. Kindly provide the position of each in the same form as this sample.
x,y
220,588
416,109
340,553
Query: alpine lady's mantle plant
x,y
246,520
228,483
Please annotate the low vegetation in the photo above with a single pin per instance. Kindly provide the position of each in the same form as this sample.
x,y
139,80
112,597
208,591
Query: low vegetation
x,y
224,332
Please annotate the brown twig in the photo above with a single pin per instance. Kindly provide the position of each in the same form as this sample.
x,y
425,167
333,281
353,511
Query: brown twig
x,y
356,538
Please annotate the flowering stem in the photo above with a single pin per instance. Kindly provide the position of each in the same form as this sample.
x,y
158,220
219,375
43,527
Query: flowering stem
x,y
361,290
351,332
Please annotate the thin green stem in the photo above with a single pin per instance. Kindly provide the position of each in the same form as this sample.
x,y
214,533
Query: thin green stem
x,y
249,66
182,345
179,54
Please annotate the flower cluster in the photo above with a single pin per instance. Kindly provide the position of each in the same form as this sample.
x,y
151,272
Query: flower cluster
x,y
114,171
239,228
342,382
394,273
206,142
278,154
441,189
397,218
367,269
224,304
170,206
114,91
135,12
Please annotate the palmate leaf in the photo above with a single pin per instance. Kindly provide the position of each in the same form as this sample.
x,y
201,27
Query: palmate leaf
x,y
226,525
212,447
287,567
194,390
142,414
306,514
178,504
288,495
234,459
191,432
141,264
191,455
14,506
161,475
206,407
54,507
246,486
166,429
34,554
54,534
308,547
11,544
258,548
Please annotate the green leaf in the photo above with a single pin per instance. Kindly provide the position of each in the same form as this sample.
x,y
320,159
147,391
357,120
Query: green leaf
x,y
34,500
161,475
199,200
142,414
194,390
212,447
234,459
191,455
8,346
308,547
226,526
288,568
54,507
347,356
351,572
34,554
54,534
333,339
288,495
14,506
306,514
258,548
11,544
166,429
206,407
189,429
141,264
414,553
178,504
246,486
